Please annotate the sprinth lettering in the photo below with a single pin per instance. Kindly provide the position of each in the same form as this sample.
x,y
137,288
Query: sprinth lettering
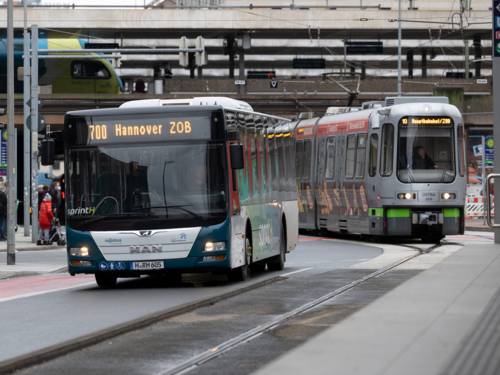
x,y
136,130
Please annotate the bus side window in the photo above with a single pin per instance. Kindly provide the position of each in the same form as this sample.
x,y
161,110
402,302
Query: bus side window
x,y
330,159
350,159
274,164
361,156
387,150
257,169
461,151
372,163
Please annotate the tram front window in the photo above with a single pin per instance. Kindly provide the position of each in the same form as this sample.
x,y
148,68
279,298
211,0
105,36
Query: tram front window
x,y
425,153
146,186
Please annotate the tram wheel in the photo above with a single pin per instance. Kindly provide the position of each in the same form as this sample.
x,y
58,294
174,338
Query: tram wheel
x,y
432,238
105,280
242,273
277,262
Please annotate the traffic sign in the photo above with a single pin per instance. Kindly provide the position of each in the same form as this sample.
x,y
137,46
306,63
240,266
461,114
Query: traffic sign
x,y
273,84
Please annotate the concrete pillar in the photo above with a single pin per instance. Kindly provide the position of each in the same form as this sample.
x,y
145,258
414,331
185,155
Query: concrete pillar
x,y
229,49
409,61
478,54
424,63
241,75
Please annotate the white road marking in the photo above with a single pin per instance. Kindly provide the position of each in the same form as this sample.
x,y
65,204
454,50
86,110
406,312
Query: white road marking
x,y
297,271
27,295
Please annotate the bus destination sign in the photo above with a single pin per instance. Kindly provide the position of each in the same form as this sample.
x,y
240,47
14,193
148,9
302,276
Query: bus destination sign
x,y
106,130
426,121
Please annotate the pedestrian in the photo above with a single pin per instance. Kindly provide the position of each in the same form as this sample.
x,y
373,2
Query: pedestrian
x,y
45,218
62,210
3,213
41,195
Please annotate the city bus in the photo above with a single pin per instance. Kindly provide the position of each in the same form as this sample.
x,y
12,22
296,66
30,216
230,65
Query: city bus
x,y
176,186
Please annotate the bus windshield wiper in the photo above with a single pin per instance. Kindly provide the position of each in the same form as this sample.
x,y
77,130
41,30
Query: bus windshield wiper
x,y
182,207
127,215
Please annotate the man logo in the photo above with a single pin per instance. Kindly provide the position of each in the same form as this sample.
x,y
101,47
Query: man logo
x,y
145,233
146,249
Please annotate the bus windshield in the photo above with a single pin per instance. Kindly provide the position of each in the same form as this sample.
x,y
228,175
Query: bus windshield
x,y
426,154
146,186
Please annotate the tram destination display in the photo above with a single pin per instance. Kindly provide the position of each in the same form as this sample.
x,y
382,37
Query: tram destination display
x,y
426,121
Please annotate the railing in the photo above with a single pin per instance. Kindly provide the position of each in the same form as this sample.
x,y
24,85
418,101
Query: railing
x,y
488,195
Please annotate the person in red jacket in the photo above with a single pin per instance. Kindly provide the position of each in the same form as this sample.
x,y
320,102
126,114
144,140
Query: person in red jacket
x,y
45,219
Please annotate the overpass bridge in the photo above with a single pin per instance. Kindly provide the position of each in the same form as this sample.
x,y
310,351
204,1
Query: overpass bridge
x,y
244,35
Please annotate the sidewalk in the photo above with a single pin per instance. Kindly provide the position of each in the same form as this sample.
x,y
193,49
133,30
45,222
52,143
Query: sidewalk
x,y
31,259
25,244
477,224
429,325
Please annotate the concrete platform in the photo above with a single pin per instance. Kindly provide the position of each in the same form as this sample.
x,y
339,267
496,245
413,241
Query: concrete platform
x,y
443,321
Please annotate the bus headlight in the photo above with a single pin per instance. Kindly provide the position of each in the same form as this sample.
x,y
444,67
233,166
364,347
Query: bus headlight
x,y
79,251
407,196
447,196
215,246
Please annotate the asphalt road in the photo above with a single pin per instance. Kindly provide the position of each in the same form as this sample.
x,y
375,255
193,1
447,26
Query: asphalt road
x,y
30,323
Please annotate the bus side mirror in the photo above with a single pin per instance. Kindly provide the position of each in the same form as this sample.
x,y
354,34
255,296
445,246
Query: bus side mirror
x,y
236,152
48,151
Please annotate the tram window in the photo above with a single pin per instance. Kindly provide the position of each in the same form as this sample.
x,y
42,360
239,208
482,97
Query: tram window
x,y
89,70
387,149
299,158
461,151
361,156
350,159
307,159
372,163
330,159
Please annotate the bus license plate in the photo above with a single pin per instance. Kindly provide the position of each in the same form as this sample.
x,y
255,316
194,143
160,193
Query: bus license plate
x,y
155,265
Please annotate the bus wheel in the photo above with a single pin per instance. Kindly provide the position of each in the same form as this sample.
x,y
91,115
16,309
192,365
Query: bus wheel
x,y
277,263
243,273
105,280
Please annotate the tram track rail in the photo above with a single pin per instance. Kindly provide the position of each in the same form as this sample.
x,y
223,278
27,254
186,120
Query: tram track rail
x,y
196,361
216,351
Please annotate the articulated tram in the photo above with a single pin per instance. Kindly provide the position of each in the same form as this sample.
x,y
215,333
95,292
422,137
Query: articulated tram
x,y
393,168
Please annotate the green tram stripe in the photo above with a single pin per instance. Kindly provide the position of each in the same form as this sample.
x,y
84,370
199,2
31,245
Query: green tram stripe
x,y
378,212
451,212
398,213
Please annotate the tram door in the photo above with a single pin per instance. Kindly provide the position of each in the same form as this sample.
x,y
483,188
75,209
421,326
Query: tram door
x,y
321,194
305,183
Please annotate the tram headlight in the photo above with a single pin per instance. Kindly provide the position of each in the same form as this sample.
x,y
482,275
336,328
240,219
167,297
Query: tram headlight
x,y
407,196
79,251
215,246
448,196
